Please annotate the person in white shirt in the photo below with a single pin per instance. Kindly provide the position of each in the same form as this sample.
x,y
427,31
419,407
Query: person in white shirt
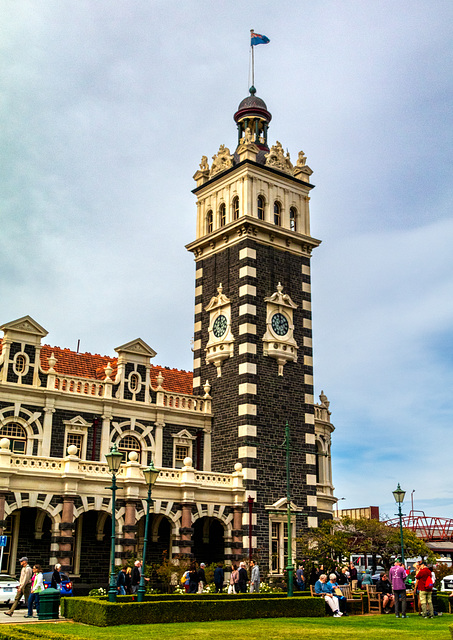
x,y
37,585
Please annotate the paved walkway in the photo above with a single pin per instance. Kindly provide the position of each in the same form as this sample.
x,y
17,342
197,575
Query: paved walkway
x,y
18,617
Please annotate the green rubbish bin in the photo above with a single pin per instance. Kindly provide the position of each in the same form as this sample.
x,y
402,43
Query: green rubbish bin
x,y
49,604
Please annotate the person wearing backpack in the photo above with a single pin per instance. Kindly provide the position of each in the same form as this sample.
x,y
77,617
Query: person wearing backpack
x,y
424,583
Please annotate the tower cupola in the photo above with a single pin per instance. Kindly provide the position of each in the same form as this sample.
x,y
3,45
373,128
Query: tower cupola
x,y
252,114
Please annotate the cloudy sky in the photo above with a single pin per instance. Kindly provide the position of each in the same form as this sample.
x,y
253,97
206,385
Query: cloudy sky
x,y
106,109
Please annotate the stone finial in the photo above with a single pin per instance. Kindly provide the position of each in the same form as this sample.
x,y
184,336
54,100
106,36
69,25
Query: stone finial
x,y
72,450
204,165
207,389
160,379
238,467
4,444
187,462
108,371
52,362
133,456
324,400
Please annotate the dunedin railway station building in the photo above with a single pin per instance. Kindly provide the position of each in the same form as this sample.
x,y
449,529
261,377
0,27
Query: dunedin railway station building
x,y
216,434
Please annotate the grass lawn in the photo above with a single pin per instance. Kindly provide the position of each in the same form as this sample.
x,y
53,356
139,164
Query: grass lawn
x,y
350,628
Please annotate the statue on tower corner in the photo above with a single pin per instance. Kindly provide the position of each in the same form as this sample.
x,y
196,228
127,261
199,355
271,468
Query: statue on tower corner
x,y
276,158
222,161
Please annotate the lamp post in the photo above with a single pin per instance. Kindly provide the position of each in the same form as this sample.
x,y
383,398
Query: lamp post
x,y
151,474
399,494
114,459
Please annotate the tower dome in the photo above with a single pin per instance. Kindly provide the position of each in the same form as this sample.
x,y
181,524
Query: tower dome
x,y
252,114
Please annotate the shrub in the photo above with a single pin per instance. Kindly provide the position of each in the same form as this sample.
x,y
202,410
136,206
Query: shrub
x,y
99,612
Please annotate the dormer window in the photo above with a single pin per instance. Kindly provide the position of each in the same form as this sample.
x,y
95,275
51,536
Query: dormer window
x,y
222,215
277,213
209,222
235,208
260,203
292,219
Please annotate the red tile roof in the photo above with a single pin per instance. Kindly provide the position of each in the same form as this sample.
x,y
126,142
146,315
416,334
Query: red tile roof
x,y
88,365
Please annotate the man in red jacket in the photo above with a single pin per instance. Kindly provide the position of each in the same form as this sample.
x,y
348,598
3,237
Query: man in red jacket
x,y
423,576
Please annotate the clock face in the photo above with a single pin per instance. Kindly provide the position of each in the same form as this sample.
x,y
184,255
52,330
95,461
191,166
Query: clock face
x,y
220,326
280,324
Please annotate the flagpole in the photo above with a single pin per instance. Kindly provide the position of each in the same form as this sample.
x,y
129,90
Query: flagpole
x,y
253,59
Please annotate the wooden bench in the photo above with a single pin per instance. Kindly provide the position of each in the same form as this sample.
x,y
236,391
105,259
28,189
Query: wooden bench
x,y
347,593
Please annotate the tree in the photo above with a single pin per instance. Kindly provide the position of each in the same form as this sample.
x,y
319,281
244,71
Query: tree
x,y
336,539
376,538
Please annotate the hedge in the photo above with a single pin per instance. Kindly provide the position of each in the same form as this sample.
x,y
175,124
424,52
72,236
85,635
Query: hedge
x,y
11,632
172,597
102,613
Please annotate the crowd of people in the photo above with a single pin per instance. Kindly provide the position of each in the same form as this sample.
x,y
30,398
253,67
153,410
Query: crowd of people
x,y
194,579
392,586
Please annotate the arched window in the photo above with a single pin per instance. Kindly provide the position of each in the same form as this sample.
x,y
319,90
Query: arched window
x,y
209,222
17,436
222,215
293,219
235,208
128,444
260,203
277,213
319,462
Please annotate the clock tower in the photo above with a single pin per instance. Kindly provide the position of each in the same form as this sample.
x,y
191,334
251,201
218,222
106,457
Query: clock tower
x,y
253,326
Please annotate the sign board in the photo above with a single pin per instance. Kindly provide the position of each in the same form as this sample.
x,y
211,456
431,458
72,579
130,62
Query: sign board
x,y
3,540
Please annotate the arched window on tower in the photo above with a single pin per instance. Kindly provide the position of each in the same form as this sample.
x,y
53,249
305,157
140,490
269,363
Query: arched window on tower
x,y
17,436
320,455
235,208
128,444
293,219
277,213
209,222
222,215
260,204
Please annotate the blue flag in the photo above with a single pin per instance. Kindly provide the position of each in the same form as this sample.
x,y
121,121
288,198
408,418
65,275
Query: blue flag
x,y
256,38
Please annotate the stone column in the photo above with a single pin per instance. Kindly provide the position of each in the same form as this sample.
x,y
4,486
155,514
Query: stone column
x,y
66,538
237,533
186,531
129,530
47,429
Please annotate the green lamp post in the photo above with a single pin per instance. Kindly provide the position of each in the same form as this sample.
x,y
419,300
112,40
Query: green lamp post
x,y
151,474
399,494
114,459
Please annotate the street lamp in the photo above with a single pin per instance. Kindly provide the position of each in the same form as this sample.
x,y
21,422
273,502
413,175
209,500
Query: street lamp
x,y
114,459
151,474
399,494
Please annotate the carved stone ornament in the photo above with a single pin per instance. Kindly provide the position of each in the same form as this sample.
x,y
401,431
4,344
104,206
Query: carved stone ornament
x,y
222,161
301,159
220,344
204,166
277,159
278,341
